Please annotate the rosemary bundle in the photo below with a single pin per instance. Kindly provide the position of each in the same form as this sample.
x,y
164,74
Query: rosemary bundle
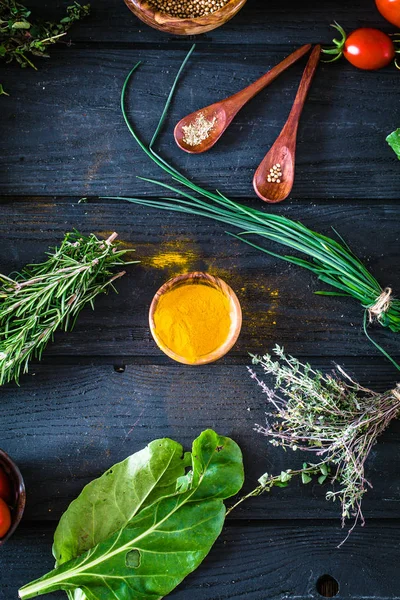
x,y
331,261
329,415
44,297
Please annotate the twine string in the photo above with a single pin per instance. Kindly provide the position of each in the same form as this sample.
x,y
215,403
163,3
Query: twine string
x,y
381,306
396,392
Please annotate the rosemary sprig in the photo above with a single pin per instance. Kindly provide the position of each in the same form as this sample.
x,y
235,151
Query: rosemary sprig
x,y
330,415
331,261
44,297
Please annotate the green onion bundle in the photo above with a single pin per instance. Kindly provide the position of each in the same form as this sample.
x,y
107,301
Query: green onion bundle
x,y
331,261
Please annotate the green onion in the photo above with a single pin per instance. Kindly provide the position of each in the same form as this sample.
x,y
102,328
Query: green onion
x,y
331,261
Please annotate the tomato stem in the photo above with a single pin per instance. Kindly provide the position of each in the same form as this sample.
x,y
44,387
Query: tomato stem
x,y
397,49
337,50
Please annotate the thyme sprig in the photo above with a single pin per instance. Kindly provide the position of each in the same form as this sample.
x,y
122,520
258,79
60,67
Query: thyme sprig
x,y
22,37
331,416
50,295
332,261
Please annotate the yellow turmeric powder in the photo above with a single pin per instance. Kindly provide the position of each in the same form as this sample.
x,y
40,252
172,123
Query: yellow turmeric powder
x,y
193,320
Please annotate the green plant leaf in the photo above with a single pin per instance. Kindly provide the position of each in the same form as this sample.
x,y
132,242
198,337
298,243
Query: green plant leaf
x,y
394,142
114,498
324,469
21,25
285,477
305,478
111,501
165,540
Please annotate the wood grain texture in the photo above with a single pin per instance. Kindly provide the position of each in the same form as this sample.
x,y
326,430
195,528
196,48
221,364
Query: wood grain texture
x,y
224,111
84,148
68,424
268,561
275,23
104,391
277,299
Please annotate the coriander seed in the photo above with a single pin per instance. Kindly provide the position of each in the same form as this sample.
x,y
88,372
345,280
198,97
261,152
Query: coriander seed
x,y
188,9
275,174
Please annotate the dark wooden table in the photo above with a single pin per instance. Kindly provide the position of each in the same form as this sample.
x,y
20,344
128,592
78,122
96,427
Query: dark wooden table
x,y
105,390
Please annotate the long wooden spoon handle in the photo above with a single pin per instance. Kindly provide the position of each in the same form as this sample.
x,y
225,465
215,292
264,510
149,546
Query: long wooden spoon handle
x,y
254,88
304,88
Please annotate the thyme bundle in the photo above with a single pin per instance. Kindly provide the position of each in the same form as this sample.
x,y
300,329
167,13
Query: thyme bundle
x,y
330,415
44,297
22,37
331,261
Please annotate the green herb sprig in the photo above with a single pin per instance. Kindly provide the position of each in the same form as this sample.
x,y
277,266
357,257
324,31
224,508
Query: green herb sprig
x,y
331,261
44,297
21,37
331,416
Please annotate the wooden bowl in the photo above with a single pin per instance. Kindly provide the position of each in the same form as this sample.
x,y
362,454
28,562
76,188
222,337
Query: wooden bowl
x,y
18,499
164,22
235,315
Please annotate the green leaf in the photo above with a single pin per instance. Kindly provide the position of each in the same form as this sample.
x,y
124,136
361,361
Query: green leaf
x,y
263,480
21,25
111,501
324,469
284,477
2,91
322,479
394,142
166,539
305,478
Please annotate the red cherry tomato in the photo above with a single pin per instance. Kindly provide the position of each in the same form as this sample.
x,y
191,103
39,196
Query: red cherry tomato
x,y
365,48
390,9
5,487
5,518
369,49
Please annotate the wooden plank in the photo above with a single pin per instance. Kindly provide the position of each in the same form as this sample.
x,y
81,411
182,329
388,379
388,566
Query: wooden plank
x,y
66,425
83,147
278,301
275,24
267,561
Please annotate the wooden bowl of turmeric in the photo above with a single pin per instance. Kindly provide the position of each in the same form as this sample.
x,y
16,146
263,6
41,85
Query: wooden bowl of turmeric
x,y
185,17
195,318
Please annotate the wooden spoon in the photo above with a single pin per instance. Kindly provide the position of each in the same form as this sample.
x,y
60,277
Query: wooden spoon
x,y
223,112
283,151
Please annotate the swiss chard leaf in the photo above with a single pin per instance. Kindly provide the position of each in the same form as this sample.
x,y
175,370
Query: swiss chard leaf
x,y
394,142
111,501
108,503
165,540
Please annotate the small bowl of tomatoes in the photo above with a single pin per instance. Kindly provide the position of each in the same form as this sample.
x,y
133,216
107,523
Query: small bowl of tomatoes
x,y
12,497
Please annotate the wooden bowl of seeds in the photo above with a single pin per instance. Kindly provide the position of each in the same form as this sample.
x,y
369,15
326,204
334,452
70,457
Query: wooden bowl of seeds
x,y
185,17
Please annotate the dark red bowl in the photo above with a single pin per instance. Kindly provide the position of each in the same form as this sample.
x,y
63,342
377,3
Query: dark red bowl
x,y
18,499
